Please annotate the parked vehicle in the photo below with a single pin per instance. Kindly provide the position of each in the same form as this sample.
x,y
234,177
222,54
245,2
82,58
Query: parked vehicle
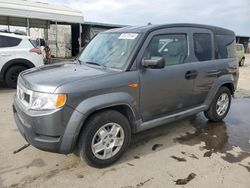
x,y
127,80
17,53
240,54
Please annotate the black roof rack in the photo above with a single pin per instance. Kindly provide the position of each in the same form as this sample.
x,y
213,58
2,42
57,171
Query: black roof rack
x,y
149,28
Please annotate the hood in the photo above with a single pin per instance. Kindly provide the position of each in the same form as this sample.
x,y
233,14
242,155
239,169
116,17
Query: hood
x,y
48,78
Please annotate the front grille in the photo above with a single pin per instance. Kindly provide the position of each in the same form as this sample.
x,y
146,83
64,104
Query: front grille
x,y
27,97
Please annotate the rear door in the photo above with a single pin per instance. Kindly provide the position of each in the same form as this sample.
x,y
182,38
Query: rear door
x,y
6,48
204,63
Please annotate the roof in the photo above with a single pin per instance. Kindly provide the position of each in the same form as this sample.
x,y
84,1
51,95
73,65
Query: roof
x,y
242,36
14,35
39,10
150,28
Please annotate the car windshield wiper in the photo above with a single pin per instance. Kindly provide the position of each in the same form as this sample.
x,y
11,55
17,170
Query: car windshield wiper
x,y
87,62
92,63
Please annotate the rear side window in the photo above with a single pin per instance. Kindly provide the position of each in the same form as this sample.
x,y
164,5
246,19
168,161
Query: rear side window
x,y
34,44
226,46
202,46
9,41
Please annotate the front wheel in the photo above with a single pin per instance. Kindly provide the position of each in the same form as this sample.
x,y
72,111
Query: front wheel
x,y
220,105
104,138
12,75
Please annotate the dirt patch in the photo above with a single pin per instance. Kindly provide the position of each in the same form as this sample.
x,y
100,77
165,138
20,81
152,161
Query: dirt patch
x,y
130,164
141,184
144,182
136,157
37,163
208,154
80,176
44,176
184,181
156,146
109,170
191,155
247,167
179,159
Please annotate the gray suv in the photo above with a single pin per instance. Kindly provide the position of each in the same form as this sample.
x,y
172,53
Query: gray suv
x,y
126,80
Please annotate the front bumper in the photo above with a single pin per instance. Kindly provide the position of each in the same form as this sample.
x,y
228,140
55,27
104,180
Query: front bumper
x,y
55,131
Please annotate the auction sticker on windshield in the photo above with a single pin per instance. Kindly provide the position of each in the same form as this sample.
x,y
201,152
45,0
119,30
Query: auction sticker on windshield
x,y
129,36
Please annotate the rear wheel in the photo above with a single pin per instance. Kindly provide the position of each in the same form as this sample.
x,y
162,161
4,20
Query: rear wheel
x,y
220,105
242,62
12,75
104,139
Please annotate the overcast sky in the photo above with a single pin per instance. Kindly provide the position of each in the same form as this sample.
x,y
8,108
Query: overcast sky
x,y
232,14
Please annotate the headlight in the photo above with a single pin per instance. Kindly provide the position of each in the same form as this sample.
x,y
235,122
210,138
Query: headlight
x,y
47,101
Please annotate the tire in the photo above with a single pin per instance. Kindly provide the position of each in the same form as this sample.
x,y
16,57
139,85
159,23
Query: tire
x,y
12,75
213,113
242,62
103,122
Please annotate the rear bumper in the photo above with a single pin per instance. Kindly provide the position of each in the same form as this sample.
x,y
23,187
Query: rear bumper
x,y
41,131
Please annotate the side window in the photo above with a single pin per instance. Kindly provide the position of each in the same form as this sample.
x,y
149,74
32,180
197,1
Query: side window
x,y
226,46
9,41
202,46
172,47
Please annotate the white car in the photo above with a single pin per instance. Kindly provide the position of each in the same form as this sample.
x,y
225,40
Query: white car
x,y
17,53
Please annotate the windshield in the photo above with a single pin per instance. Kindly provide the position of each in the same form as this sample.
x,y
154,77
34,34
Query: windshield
x,y
111,50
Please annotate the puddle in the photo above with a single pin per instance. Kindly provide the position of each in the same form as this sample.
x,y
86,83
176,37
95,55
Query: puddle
x,y
222,137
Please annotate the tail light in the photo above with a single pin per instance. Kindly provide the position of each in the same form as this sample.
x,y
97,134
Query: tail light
x,y
36,50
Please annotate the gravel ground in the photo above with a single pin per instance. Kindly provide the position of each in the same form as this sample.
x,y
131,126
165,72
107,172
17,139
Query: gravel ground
x,y
192,152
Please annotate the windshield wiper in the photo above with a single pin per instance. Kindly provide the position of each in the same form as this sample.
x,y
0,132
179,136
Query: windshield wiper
x,y
92,63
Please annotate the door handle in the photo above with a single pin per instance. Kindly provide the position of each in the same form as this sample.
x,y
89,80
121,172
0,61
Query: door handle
x,y
191,74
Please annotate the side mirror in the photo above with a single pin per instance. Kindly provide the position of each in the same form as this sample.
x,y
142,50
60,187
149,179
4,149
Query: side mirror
x,y
154,63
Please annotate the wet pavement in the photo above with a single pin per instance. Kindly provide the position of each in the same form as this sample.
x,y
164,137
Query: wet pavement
x,y
193,152
222,137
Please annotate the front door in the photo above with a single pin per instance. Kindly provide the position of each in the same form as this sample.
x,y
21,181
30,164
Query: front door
x,y
168,90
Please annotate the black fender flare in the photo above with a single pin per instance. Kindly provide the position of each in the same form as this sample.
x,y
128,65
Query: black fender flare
x,y
223,80
90,106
